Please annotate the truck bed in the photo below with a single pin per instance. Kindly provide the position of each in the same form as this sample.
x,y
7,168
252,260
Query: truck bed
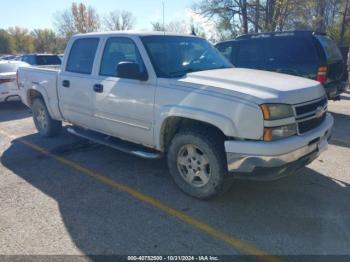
x,y
44,80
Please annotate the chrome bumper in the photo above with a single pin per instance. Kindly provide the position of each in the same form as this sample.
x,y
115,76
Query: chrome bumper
x,y
277,156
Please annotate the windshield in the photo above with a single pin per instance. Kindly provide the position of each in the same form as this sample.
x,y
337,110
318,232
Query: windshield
x,y
332,51
175,56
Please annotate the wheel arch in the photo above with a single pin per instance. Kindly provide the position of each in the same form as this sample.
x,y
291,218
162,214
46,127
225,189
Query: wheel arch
x,y
34,93
172,124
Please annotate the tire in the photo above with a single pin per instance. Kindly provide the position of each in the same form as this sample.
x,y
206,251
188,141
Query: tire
x,y
204,181
45,125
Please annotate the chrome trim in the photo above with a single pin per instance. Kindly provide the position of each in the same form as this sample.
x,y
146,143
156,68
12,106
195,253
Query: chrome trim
x,y
310,102
310,118
122,122
241,163
309,115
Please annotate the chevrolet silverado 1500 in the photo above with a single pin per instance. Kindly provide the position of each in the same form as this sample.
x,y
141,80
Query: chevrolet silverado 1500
x,y
155,94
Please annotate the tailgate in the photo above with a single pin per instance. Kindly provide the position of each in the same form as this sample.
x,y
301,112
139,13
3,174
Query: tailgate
x,y
42,80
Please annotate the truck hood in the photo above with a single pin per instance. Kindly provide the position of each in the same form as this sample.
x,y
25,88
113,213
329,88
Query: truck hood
x,y
256,85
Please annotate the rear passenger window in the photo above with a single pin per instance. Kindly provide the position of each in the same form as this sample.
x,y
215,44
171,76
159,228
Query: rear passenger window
x,y
292,50
250,54
119,49
82,55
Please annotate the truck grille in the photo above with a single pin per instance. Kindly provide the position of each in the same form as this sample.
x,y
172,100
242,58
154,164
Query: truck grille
x,y
310,124
310,115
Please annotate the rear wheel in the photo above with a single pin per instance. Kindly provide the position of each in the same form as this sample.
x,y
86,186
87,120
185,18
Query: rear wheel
x,y
197,163
45,125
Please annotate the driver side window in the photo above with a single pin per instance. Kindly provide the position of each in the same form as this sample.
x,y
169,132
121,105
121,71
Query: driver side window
x,y
117,50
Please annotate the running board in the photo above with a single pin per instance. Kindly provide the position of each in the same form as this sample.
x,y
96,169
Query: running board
x,y
121,145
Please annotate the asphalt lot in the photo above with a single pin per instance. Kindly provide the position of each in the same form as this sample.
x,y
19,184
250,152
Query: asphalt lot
x,y
70,196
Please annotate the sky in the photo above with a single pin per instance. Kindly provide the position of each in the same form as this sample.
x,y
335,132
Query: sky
x,y
33,14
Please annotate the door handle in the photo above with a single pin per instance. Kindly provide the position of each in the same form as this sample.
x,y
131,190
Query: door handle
x,y
66,83
98,88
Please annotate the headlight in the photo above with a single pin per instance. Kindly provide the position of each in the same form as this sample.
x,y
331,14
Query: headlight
x,y
276,111
275,133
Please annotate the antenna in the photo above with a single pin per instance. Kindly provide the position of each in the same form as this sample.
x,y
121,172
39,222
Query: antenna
x,y
163,4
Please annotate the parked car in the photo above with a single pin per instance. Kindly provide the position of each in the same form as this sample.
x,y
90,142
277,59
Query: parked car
x,y
8,57
176,96
301,53
41,59
8,86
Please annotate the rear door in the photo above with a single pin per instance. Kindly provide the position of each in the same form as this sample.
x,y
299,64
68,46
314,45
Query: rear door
x,y
76,82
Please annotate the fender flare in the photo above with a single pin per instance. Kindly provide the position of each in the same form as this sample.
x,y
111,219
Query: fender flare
x,y
42,91
223,123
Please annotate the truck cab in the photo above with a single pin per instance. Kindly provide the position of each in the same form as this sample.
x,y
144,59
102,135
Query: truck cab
x,y
160,95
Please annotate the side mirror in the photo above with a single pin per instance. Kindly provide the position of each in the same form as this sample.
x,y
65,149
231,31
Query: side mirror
x,y
131,70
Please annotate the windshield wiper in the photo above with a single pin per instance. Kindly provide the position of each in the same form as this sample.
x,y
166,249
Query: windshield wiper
x,y
182,72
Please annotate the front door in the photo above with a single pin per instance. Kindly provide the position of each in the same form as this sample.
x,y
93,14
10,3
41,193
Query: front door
x,y
124,107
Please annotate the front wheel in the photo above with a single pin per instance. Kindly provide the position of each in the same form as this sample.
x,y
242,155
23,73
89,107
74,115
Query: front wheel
x,y
197,163
45,125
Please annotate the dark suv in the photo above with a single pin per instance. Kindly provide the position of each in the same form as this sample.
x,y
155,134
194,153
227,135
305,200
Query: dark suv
x,y
41,59
302,53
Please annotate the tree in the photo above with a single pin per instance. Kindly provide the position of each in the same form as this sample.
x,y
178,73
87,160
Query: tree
x,y
7,45
157,26
235,17
257,16
343,24
244,15
181,27
226,13
119,21
320,15
45,40
23,41
78,19
202,26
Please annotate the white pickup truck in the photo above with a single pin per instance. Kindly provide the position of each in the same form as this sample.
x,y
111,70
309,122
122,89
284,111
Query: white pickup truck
x,y
155,94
